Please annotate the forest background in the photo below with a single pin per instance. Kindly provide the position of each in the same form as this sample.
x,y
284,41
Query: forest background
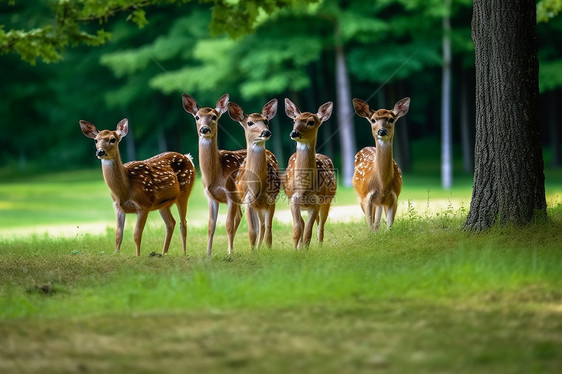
x,y
379,51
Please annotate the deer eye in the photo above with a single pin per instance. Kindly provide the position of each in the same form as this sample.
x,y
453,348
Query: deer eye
x,y
391,120
214,118
266,122
112,140
310,123
250,123
197,118
373,120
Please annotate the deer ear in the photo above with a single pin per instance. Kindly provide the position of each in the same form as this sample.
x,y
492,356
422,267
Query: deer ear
x,y
88,129
122,128
402,107
362,108
269,110
222,104
236,113
189,104
291,109
325,111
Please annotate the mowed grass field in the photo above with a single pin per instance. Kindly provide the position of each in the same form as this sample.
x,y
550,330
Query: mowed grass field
x,y
423,297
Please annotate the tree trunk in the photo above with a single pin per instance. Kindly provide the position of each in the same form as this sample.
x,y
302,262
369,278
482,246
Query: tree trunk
x,y
446,132
344,113
509,175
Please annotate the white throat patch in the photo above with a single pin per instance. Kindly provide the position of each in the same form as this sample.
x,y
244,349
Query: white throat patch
x,y
303,147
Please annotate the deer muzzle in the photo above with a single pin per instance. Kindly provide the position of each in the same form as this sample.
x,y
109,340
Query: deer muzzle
x,y
100,153
266,134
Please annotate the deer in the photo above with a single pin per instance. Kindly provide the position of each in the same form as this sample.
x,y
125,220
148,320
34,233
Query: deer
x,y
257,182
309,180
217,167
143,186
377,179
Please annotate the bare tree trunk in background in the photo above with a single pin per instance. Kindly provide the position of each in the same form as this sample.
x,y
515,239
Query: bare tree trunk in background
x,y
553,127
131,150
401,138
344,113
277,143
467,124
162,145
509,167
446,131
326,144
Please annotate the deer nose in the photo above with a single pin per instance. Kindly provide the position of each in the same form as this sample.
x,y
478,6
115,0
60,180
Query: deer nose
x,y
266,134
100,153
383,132
295,134
205,130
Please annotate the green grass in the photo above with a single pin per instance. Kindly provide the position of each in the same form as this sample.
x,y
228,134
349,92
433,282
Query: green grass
x,y
423,297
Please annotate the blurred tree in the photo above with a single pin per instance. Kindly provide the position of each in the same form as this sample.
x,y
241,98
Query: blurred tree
x,y
509,178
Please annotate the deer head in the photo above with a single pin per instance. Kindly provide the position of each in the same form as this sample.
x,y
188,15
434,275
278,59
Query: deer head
x,y
107,141
206,119
383,120
305,125
255,125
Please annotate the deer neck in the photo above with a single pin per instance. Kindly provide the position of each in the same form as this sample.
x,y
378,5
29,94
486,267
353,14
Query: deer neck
x,y
384,164
305,165
116,178
256,163
209,160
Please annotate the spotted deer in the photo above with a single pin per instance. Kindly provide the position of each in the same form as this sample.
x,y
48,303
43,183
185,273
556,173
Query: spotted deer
x,y
143,186
217,166
309,180
257,182
377,179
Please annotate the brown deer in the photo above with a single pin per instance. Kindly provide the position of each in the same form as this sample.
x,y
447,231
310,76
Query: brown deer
x,y
143,186
257,182
309,180
217,166
377,179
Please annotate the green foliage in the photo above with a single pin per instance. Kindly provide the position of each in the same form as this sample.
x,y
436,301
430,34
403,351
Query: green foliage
x,y
550,76
548,9
70,22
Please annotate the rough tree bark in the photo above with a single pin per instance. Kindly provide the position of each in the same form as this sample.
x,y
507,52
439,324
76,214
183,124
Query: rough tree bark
x,y
509,167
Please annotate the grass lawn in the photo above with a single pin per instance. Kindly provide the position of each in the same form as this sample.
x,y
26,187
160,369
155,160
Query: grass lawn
x,y
423,297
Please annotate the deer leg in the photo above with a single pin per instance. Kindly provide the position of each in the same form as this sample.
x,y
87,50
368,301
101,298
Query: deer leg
x,y
120,226
213,212
182,210
261,219
391,213
309,225
377,216
233,217
142,215
322,217
366,207
252,224
298,224
268,224
170,223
